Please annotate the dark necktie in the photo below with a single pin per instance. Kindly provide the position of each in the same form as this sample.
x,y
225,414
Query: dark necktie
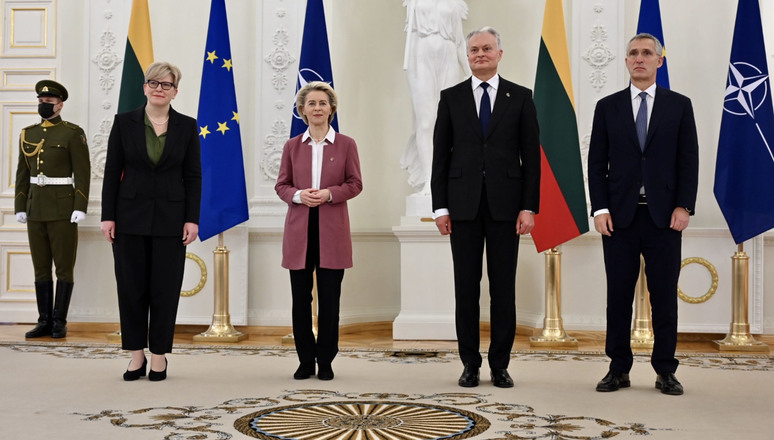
x,y
642,120
485,109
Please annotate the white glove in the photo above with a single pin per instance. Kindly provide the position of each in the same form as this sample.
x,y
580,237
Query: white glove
x,y
21,217
77,216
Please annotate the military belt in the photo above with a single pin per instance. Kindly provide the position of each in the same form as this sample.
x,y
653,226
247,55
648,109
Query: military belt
x,y
42,180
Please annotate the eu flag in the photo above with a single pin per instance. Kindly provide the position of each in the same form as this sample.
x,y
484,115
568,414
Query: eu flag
x,y
224,193
315,61
744,171
650,22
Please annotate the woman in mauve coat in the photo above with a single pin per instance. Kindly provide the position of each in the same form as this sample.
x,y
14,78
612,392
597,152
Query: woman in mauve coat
x,y
319,172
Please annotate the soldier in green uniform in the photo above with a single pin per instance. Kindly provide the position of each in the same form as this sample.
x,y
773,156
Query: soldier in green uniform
x,y
52,193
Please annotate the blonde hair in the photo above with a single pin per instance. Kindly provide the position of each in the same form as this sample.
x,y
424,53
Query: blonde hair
x,y
320,87
160,69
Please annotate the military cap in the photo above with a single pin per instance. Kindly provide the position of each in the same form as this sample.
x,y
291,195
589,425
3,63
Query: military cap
x,y
48,87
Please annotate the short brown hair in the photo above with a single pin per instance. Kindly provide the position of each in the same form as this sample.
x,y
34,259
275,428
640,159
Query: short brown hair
x,y
316,86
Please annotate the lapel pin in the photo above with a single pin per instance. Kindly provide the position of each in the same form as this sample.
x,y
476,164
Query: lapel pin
x,y
508,94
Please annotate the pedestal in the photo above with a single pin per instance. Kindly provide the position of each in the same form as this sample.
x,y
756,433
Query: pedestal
x,y
427,282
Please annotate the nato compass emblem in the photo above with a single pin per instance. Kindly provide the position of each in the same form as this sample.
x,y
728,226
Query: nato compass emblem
x,y
746,90
305,76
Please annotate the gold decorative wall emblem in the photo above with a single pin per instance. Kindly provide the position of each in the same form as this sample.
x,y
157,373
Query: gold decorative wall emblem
x,y
202,279
713,288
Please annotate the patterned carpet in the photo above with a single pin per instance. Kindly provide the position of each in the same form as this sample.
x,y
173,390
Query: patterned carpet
x,y
75,391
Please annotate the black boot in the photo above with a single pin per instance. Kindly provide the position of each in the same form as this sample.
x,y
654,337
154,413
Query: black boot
x,y
64,291
44,292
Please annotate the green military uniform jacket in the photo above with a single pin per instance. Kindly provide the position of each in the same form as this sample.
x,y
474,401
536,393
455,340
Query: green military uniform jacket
x,y
54,148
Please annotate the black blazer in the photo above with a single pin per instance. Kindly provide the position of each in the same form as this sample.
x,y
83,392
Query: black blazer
x,y
668,167
509,154
144,199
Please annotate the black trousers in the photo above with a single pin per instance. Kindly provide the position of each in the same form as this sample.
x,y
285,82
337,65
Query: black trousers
x,y
149,275
57,242
324,349
660,248
502,249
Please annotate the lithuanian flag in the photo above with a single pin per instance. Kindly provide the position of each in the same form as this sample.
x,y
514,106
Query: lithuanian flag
x,y
137,58
563,213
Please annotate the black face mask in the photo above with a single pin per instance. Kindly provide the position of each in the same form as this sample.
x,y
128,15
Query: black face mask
x,y
46,110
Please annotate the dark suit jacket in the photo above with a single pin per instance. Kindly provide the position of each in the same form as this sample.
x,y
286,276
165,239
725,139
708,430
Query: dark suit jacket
x,y
144,199
668,167
509,153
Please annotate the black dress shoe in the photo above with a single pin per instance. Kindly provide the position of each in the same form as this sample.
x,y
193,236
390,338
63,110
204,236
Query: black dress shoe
x,y
469,377
155,376
501,378
324,372
136,374
613,381
668,384
304,371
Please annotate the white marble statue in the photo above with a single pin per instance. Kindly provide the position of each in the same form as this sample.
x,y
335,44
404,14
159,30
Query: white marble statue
x,y
434,59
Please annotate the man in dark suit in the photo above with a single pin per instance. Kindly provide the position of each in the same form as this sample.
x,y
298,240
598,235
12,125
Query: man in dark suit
x,y
485,177
643,171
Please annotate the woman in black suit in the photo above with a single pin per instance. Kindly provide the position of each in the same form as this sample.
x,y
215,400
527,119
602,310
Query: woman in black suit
x,y
150,213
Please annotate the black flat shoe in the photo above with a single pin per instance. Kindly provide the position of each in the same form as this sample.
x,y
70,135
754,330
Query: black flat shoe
x,y
668,384
155,376
469,377
501,378
304,371
613,381
324,372
136,374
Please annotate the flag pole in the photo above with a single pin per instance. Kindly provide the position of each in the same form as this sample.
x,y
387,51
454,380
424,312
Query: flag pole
x,y
739,337
553,334
642,333
221,329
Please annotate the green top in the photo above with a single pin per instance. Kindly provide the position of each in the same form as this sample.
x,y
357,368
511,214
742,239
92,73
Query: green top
x,y
154,143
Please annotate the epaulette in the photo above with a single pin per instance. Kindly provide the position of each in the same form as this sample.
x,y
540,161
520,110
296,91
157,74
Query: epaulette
x,y
70,125
33,125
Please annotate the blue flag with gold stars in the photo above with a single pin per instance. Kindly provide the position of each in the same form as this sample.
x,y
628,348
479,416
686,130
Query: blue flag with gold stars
x,y
224,192
744,171
650,22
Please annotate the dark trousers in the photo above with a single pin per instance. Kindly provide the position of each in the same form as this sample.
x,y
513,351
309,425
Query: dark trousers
x,y
502,249
57,242
325,348
149,275
660,248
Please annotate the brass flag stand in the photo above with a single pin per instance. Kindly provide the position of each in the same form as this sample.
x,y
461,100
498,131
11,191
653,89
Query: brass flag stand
x,y
221,329
739,337
642,331
553,334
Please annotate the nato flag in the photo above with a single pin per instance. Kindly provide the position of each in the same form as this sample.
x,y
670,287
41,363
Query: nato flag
x,y
744,171
315,61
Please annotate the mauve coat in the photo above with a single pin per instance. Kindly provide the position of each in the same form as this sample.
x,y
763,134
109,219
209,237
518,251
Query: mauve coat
x,y
341,175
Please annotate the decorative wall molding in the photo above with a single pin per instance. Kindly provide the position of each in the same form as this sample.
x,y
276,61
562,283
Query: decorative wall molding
x,y
19,78
29,29
105,54
598,56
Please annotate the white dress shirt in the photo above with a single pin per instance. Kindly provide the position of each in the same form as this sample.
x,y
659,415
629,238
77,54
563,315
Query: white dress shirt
x,y
317,158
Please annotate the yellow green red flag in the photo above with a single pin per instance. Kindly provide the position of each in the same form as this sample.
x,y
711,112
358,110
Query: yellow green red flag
x,y
562,214
137,58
